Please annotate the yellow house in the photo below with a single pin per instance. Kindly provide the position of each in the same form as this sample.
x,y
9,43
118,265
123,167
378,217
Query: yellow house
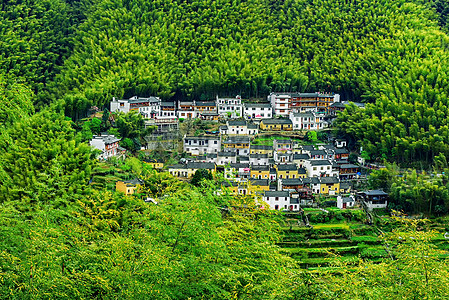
x,y
261,149
276,124
287,171
180,171
257,185
188,170
128,187
155,164
260,172
329,185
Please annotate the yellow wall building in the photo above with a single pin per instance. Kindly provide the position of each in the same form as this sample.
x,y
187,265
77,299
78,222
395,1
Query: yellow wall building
x,y
128,187
276,124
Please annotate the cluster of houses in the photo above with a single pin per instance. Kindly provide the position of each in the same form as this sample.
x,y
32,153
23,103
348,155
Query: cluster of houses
x,y
287,174
281,111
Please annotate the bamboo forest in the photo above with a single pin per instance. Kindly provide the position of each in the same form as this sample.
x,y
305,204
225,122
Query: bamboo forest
x,y
149,216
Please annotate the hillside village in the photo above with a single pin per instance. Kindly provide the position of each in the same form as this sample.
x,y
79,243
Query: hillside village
x,y
286,173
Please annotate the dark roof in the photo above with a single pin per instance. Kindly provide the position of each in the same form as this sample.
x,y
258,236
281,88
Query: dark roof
x,y
308,147
168,104
277,194
272,171
211,155
237,123
318,152
107,139
341,151
300,156
302,171
313,180
348,166
258,156
283,141
329,180
177,166
260,182
260,105
133,181
229,153
338,104
374,193
244,158
237,140
239,165
261,147
347,199
203,103
294,200
253,126
294,181
287,167
204,137
260,168
277,121
320,162
223,127
200,165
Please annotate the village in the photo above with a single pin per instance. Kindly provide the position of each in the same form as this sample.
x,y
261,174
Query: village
x,y
257,148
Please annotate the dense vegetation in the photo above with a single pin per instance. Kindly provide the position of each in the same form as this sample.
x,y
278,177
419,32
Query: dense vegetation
x,y
65,234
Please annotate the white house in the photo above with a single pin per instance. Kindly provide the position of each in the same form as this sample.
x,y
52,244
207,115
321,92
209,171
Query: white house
x,y
107,144
280,103
257,111
197,145
318,168
259,159
345,202
238,171
230,107
277,200
307,121
239,127
374,199
225,158
148,107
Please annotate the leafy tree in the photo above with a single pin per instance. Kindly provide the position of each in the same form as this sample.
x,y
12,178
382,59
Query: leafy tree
x,y
200,175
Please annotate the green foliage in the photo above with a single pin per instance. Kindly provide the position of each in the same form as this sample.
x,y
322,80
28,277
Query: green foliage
x,y
201,175
42,160
15,102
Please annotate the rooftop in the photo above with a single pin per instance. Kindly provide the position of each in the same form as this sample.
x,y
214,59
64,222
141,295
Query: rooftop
x,y
277,194
276,121
320,163
287,167
201,165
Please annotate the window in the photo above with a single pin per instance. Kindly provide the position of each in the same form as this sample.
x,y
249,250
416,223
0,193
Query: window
x,y
276,198
323,189
314,168
215,142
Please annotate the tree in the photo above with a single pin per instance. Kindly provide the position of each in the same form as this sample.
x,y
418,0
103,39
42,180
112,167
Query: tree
x,y
200,175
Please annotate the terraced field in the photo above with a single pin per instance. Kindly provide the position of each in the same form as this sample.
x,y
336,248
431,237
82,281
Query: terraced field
x,y
337,242
328,244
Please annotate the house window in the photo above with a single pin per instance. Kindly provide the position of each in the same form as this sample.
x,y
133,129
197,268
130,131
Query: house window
x,y
276,198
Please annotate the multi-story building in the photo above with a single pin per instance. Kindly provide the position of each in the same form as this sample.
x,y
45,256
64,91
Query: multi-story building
x,y
237,144
307,121
197,145
277,200
259,159
280,103
261,149
282,145
230,107
205,107
225,158
257,111
107,144
318,168
167,111
148,107
186,110
329,185
287,171
284,103
260,171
